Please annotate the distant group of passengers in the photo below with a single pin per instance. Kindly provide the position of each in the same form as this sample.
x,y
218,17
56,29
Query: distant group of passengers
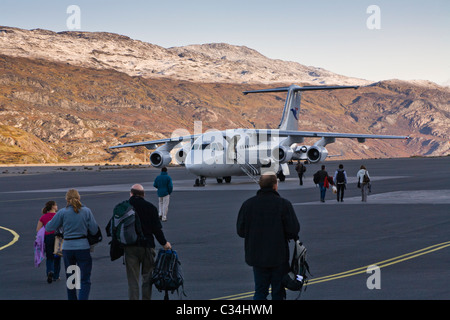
x,y
338,182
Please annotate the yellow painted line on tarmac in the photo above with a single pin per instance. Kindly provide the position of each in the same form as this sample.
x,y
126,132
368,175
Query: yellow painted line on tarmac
x,y
356,271
14,240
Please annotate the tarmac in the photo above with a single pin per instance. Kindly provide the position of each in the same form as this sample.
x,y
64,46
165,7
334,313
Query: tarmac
x,y
403,229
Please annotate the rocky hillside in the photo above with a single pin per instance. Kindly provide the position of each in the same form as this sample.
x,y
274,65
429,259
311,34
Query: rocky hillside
x,y
207,63
69,111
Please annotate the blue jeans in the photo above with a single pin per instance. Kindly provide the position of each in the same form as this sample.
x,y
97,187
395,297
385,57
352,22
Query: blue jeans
x,y
323,191
266,277
81,258
53,263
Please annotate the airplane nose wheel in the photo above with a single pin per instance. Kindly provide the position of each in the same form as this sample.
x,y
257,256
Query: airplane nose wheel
x,y
200,182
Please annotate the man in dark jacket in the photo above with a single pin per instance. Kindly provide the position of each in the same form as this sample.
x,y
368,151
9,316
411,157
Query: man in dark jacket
x,y
322,174
142,256
267,222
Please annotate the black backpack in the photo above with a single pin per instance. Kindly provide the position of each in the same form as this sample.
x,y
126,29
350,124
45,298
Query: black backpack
x,y
340,177
316,177
296,278
167,274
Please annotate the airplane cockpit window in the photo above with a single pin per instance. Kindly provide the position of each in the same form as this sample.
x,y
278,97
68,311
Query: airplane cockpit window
x,y
217,146
202,146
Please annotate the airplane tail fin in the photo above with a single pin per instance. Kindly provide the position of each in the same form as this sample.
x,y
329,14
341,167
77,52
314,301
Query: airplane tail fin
x,y
291,111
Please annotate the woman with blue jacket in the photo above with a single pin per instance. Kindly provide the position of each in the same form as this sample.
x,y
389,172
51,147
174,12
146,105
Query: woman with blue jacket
x,y
76,220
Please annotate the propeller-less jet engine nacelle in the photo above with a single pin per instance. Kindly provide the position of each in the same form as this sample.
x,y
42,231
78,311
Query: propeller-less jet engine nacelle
x,y
316,154
282,154
181,154
160,159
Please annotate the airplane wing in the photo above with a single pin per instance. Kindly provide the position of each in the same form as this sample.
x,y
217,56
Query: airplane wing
x,y
359,136
154,143
301,134
312,134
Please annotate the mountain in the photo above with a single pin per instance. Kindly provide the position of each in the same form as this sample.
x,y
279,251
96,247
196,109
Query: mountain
x,y
217,62
58,106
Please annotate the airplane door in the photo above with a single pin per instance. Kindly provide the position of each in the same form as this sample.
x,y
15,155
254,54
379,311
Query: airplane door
x,y
232,147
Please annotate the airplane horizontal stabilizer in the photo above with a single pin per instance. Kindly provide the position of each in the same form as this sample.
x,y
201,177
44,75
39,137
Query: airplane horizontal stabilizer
x,y
298,88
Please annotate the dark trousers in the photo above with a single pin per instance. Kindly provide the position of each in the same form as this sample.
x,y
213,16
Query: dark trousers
x,y
340,191
81,258
53,262
269,277
300,177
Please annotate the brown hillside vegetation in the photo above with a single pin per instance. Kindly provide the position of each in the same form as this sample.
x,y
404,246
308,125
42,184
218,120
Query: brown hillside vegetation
x,y
52,112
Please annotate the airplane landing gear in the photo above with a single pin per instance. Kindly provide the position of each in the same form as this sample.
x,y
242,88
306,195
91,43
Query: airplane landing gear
x,y
200,182
220,179
281,176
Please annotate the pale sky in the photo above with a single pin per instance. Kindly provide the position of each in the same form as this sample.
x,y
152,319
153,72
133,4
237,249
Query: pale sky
x,y
411,41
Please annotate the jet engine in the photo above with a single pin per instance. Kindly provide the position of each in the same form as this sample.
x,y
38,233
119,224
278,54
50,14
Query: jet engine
x,y
282,154
316,154
160,159
181,154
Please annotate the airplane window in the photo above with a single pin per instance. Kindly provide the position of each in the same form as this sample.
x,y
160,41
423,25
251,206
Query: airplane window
x,y
217,146
206,146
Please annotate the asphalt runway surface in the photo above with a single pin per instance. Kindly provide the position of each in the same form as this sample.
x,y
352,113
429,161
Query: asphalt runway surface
x,y
403,229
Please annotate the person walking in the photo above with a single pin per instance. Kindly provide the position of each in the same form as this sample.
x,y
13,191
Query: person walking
x,y
77,221
140,258
266,222
320,177
163,183
340,179
53,262
300,168
363,182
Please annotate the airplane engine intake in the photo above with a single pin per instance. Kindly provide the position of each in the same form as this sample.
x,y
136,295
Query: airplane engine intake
x,y
282,154
316,154
160,159
180,156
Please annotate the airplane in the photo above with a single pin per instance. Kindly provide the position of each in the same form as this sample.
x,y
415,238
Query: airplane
x,y
222,154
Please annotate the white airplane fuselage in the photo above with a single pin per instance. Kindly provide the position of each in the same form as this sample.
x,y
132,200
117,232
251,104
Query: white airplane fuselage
x,y
221,154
